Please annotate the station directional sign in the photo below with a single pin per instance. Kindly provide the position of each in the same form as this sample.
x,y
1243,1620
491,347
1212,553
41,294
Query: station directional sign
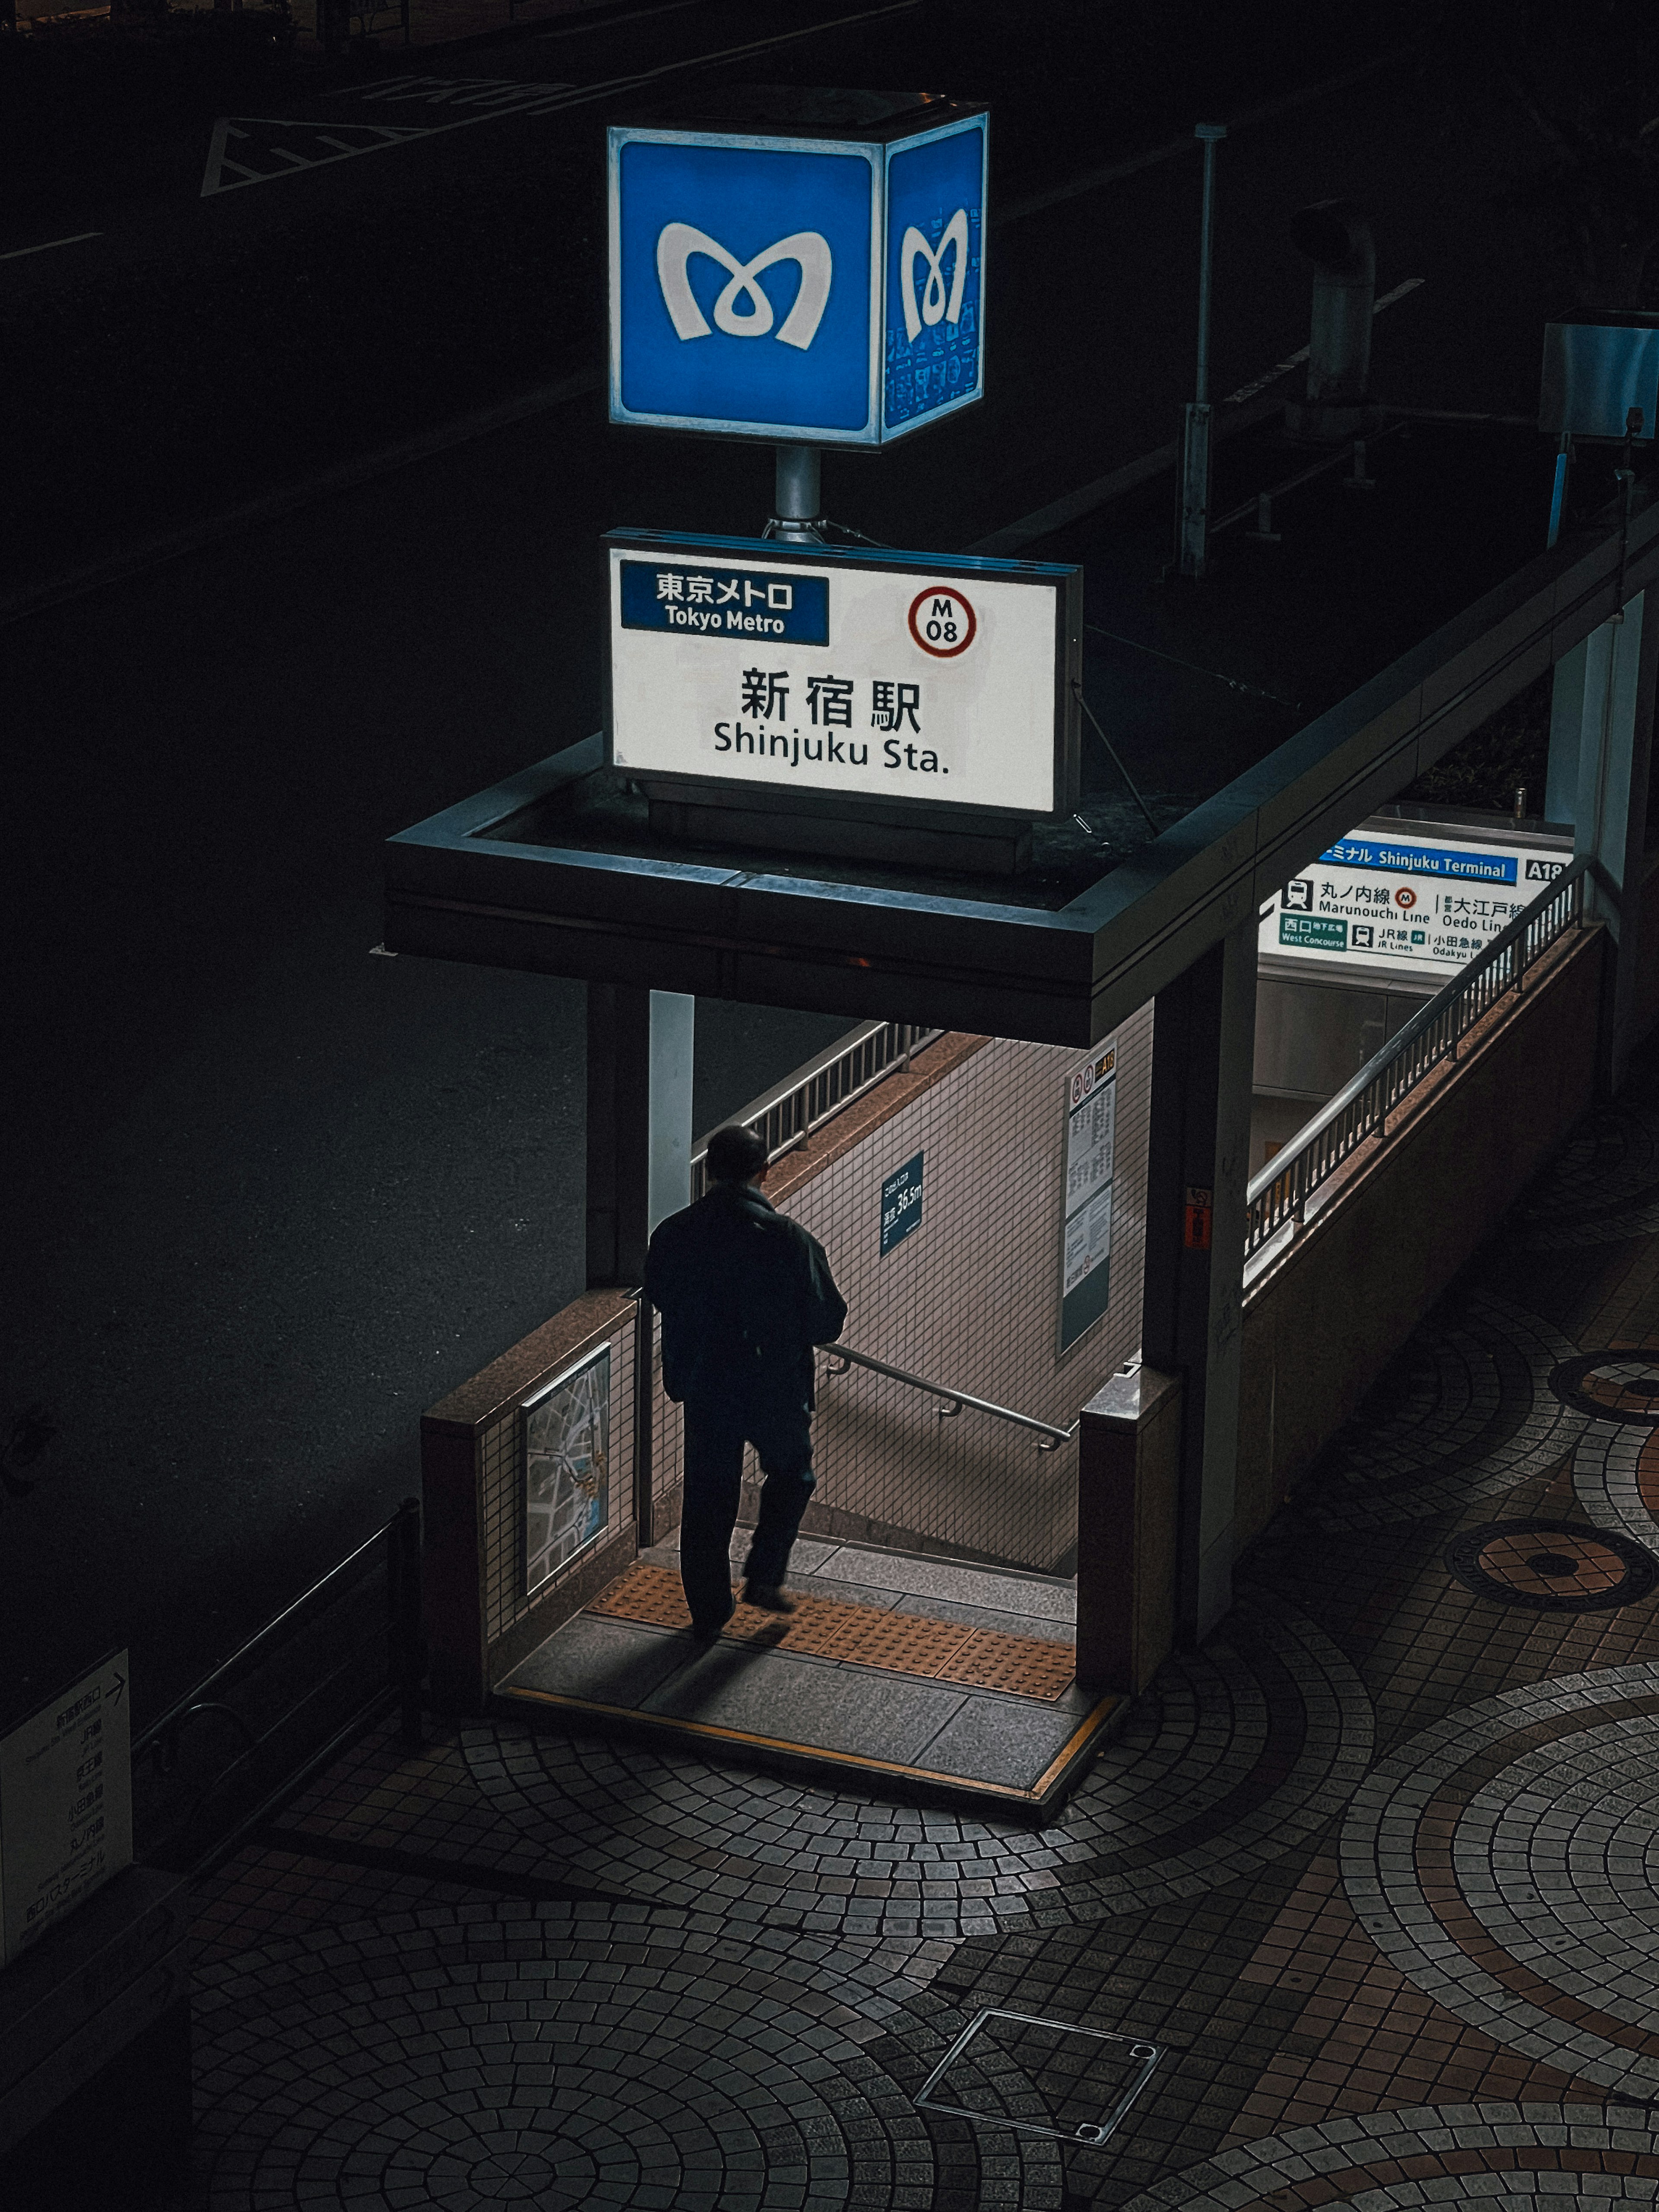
x,y
806,286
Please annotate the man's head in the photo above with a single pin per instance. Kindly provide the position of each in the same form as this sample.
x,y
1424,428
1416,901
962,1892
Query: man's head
x,y
735,1155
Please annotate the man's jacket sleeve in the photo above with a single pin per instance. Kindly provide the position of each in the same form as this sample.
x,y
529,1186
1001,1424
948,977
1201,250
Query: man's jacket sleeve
x,y
825,1314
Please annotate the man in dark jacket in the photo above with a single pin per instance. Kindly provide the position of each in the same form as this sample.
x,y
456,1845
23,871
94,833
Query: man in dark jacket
x,y
744,1296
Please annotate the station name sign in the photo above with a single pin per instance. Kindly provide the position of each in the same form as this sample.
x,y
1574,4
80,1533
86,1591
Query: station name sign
x,y
869,675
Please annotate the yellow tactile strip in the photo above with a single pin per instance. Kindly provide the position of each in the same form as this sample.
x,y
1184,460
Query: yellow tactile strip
x,y
862,1636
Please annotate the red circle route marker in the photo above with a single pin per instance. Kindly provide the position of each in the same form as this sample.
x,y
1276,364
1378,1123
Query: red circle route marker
x,y
1405,898
942,634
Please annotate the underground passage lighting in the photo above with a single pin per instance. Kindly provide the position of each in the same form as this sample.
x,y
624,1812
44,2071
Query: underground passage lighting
x,y
1008,2062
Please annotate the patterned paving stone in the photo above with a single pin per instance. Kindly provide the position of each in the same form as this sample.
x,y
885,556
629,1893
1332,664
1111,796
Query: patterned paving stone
x,y
1428,2154
1238,1754
1604,1188
1615,1476
1466,1412
1504,1860
569,2057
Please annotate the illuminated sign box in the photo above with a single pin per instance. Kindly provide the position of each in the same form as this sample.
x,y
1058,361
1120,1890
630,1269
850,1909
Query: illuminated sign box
x,y
813,273
860,676
1408,896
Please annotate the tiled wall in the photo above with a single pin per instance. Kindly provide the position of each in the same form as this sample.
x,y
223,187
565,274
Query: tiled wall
x,y
969,1299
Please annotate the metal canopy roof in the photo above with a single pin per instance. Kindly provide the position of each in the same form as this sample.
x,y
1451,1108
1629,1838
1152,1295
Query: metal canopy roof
x,y
548,871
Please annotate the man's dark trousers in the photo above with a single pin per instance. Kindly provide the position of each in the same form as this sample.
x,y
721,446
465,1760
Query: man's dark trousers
x,y
716,1429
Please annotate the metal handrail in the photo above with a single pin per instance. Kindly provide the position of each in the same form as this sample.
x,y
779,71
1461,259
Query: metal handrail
x,y
1279,1194
399,1537
1049,1439
787,1114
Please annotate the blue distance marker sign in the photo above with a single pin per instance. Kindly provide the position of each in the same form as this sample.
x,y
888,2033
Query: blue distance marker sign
x,y
824,291
901,1204
710,602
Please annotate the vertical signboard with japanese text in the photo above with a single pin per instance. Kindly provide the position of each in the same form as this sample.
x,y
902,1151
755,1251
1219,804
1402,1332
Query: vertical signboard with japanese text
x,y
65,1804
901,1204
1090,1106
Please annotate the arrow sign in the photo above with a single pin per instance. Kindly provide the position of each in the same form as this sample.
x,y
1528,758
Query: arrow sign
x,y
257,149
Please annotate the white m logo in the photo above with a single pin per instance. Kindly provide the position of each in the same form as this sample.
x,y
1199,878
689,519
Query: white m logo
x,y
805,248
916,248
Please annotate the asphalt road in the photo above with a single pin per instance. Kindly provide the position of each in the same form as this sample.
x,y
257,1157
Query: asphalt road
x,y
270,1196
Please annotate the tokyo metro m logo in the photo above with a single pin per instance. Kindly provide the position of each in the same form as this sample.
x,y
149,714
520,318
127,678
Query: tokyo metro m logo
x,y
934,307
807,249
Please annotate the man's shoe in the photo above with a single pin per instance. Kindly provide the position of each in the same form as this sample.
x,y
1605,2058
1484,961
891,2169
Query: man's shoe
x,y
767,1599
699,1635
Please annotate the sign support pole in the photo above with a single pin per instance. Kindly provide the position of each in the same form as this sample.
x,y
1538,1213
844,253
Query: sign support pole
x,y
798,499
1195,457
1197,1169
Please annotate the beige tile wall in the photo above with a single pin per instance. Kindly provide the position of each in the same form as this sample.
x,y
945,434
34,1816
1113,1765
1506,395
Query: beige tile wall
x,y
969,1299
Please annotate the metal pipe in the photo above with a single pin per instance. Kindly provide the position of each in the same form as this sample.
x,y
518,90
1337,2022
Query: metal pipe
x,y
1049,1438
1195,555
1210,134
799,496
269,1633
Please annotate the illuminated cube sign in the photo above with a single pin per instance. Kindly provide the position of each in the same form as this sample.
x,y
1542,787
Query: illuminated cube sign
x,y
819,284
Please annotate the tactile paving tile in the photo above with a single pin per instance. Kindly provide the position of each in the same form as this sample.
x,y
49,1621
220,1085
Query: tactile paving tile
x,y
1022,1664
861,1636
904,1642
648,1594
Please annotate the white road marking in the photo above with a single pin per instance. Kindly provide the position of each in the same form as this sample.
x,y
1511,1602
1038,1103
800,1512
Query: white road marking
x,y
19,253
225,173
545,100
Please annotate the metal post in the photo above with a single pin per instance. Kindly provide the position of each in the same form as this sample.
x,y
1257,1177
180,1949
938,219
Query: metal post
x,y
1203,1054
799,498
1558,489
1195,458
406,1644
639,1123
673,1016
1621,668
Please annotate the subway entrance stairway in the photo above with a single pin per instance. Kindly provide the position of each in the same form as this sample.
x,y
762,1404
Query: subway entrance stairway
x,y
1372,1871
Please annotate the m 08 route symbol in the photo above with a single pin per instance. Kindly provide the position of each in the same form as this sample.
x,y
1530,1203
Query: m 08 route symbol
x,y
942,622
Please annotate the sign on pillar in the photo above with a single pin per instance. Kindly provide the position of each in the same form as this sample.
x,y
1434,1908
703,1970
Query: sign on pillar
x,y
820,281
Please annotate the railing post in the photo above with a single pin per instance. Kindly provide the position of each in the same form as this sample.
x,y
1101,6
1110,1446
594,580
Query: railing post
x,y
406,1644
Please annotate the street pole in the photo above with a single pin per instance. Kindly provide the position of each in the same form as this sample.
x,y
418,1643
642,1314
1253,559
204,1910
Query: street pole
x,y
799,498
1195,451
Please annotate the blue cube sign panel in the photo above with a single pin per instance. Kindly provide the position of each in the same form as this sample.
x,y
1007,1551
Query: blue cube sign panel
x,y
802,291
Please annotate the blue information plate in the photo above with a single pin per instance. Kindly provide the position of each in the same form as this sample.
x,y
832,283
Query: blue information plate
x,y
901,1203
1422,860
710,602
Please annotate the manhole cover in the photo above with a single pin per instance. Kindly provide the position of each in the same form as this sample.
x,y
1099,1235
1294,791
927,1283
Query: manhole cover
x,y
1005,2069
1615,1385
1558,1566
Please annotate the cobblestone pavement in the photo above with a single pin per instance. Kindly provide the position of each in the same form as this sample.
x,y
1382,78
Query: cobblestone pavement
x,y
1374,1871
